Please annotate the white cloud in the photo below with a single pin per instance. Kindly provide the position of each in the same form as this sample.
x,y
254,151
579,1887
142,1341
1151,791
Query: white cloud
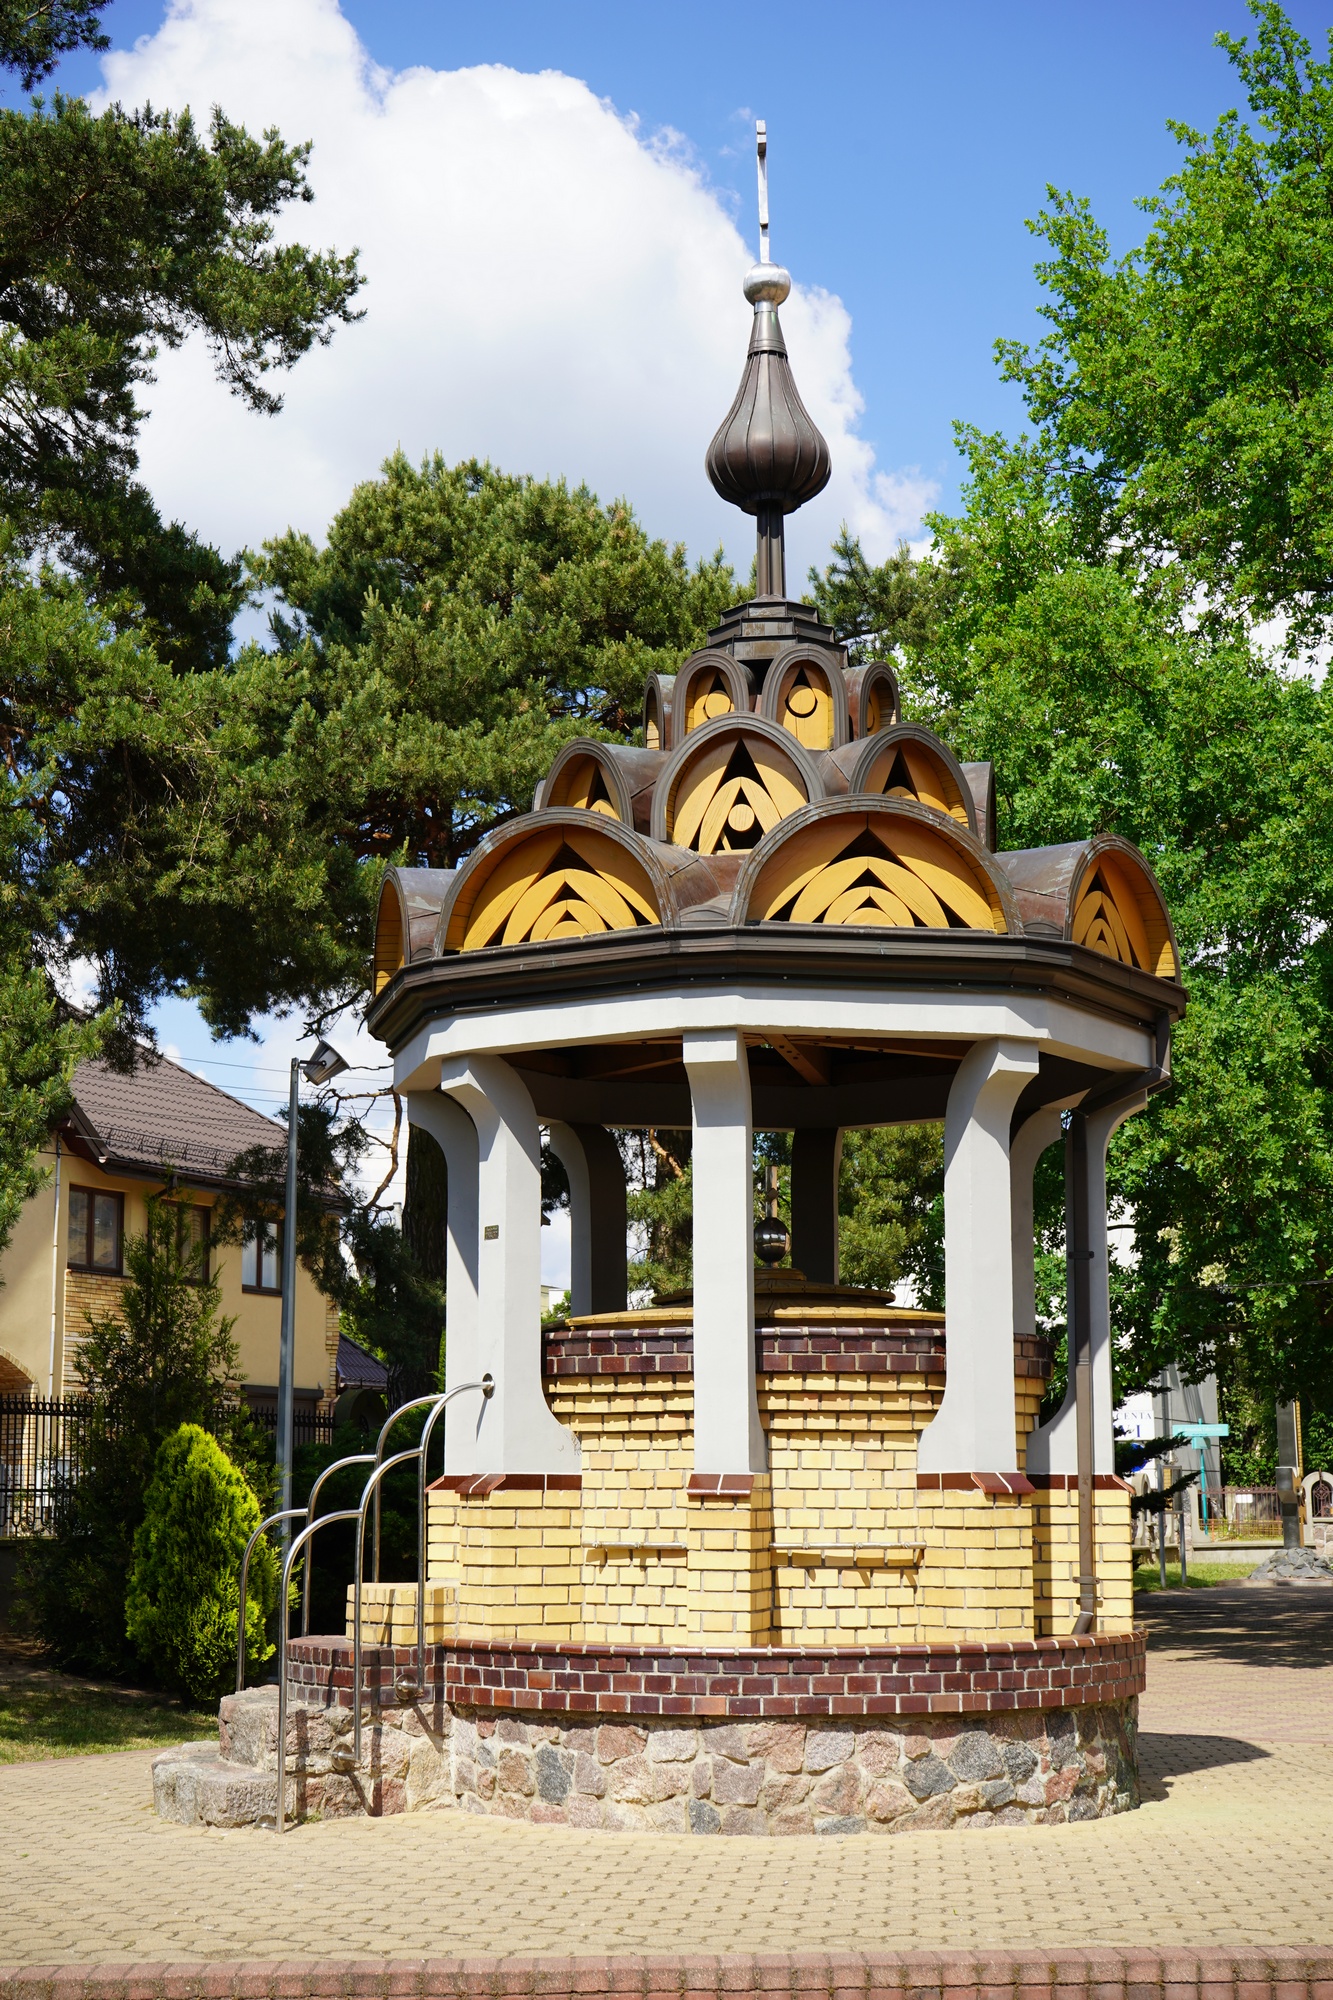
x,y
546,288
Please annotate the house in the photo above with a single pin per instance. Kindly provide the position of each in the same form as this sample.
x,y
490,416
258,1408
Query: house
x,y
156,1130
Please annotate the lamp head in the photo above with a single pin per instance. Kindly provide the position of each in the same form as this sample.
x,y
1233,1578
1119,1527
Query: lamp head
x,y
323,1065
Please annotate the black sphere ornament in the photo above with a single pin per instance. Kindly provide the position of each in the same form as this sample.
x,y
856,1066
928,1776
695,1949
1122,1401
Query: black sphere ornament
x,y
771,1241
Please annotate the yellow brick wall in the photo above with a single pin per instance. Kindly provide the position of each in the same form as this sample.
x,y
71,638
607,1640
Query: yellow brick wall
x,y
512,1559
633,1560
1055,1583
389,1614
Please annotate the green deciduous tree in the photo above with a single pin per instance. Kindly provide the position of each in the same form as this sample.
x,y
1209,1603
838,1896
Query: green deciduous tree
x,y
1185,391
1106,707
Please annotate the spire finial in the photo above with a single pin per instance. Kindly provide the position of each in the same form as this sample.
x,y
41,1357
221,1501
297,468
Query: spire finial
x,y
768,456
761,150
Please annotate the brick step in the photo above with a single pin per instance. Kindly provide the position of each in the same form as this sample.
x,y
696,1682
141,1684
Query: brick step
x,y
389,1614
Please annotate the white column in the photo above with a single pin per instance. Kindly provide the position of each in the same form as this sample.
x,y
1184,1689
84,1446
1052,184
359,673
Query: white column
x,y
973,1429
1053,1447
456,1136
1030,1141
597,1221
515,1430
728,1436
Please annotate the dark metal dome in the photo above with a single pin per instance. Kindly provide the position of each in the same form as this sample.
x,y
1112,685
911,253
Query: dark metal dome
x,y
768,451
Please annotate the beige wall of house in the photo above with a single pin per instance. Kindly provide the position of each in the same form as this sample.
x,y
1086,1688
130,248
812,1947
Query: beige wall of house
x,y
40,1248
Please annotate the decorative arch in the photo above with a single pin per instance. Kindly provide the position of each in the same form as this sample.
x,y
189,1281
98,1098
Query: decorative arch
x,y
1117,909
710,686
872,698
908,762
586,777
805,693
888,864
409,908
552,876
390,936
657,700
729,784
14,1377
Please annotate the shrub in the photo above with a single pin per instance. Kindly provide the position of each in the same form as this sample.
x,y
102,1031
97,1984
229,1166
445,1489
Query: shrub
x,y
180,1608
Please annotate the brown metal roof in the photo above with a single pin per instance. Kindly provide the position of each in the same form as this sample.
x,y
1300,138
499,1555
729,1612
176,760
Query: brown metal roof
x,y
160,1115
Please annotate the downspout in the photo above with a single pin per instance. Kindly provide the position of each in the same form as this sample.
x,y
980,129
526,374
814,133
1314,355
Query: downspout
x,y
55,1275
1120,1091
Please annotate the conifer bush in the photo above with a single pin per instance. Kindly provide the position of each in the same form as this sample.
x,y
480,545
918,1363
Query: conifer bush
x,y
181,1605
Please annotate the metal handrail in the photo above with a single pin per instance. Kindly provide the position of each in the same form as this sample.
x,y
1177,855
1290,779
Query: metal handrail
x,y
417,1403
382,1467
426,1430
287,1514
339,1465
348,1514
371,1489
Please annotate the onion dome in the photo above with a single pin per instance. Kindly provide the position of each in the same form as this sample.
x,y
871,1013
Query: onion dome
x,y
768,456
767,450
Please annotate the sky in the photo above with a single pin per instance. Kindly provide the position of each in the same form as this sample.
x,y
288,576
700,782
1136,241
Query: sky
x,y
555,207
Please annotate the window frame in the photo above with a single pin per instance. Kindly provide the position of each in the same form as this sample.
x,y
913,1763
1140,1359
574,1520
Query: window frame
x,y
179,1207
85,1265
263,1291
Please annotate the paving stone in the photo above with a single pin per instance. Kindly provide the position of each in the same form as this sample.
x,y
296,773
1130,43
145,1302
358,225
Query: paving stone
x,y
1229,1849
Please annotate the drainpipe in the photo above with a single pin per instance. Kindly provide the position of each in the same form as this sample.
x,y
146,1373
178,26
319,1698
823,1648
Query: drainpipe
x,y
1120,1090
55,1275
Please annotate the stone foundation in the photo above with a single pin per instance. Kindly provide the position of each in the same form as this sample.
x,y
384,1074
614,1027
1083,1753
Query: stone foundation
x,y
762,1742
773,1778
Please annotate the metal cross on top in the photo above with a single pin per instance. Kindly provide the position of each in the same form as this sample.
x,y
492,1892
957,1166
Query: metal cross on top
x,y
761,148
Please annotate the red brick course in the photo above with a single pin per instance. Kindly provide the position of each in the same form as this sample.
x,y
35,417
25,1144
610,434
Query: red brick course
x,y
745,1684
786,1349
1107,1972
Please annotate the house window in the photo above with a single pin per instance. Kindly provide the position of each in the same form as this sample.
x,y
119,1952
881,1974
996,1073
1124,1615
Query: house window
x,y
193,1235
96,1229
261,1258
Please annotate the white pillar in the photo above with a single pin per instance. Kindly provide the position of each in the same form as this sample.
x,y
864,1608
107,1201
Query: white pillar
x,y
597,1219
516,1431
1053,1446
728,1436
1030,1141
456,1136
973,1429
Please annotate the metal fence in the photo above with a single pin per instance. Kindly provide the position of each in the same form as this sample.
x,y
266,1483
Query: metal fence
x,y
42,1441
1247,1512
308,1426
41,1448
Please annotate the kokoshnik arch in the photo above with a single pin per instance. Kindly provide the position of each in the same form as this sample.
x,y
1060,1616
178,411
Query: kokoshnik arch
x,y
780,1497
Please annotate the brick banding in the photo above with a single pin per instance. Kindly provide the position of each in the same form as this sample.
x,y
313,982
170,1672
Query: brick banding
x,y
745,1683
781,1348
1105,1972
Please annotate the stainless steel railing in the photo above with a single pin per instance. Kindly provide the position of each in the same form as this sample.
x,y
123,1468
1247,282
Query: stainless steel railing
x,y
381,1466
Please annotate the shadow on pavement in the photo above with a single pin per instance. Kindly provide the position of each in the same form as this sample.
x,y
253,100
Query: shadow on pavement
x,y
1167,1754
1252,1625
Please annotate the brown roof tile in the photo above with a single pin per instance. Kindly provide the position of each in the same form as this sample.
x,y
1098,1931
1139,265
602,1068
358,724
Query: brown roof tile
x,y
159,1114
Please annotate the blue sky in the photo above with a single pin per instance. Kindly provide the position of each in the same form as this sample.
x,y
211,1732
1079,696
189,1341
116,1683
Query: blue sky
x,y
908,145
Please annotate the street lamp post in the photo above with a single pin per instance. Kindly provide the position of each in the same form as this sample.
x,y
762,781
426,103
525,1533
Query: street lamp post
x,y
319,1068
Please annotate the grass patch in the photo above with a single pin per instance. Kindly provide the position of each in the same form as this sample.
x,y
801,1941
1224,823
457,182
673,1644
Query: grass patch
x,y
1201,1575
44,1713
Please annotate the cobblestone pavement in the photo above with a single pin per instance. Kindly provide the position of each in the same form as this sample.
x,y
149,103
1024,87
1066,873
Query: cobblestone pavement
x,y
1230,1848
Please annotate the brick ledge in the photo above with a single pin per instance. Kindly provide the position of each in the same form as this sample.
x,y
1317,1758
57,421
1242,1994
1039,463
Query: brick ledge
x,y
1100,1972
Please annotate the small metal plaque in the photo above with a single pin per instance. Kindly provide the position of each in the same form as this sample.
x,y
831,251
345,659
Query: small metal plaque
x,y
491,1231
